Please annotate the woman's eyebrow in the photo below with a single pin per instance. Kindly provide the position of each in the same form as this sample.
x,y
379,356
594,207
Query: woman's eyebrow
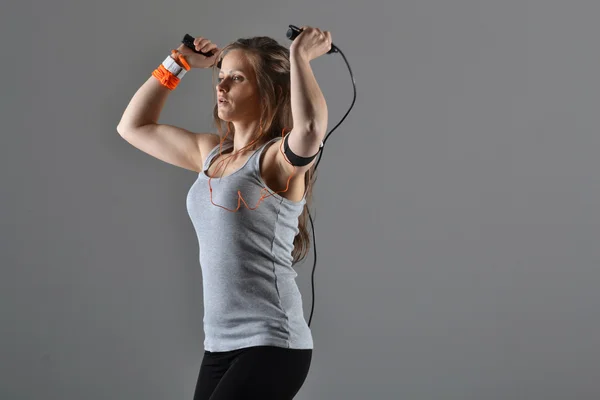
x,y
232,70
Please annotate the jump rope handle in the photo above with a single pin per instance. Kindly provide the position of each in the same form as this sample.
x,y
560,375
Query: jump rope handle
x,y
294,31
188,40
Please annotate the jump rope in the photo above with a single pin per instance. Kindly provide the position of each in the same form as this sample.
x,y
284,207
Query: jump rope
x,y
171,80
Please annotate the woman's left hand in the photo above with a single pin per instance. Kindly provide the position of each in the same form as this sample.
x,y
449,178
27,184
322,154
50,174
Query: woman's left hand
x,y
311,43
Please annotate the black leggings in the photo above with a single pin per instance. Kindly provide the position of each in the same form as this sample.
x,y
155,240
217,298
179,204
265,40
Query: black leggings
x,y
258,372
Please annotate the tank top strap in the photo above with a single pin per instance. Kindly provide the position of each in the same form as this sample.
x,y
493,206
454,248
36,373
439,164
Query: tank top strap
x,y
256,168
213,153
257,154
256,171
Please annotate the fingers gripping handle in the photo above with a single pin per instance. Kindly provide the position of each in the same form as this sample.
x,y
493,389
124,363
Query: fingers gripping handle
x,y
188,40
294,31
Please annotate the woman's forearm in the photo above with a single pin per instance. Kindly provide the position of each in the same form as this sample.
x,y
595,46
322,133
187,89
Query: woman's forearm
x,y
145,106
309,109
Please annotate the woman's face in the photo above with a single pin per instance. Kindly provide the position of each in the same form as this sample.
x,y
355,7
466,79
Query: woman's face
x,y
237,85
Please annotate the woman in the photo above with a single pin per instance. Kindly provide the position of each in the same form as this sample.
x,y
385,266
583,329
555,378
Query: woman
x,y
257,343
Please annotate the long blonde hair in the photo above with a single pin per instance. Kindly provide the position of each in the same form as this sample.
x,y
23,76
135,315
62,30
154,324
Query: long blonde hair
x,y
271,64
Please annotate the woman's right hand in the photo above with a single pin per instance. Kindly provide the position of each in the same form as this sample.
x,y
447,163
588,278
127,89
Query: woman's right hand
x,y
196,60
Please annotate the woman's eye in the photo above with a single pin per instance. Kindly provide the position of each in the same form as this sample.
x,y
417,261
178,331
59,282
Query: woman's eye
x,y
234,77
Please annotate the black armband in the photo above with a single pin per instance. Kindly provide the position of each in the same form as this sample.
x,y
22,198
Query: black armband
x,y
295,159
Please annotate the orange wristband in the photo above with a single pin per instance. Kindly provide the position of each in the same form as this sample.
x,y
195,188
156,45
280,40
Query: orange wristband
x,y
166,77
165,73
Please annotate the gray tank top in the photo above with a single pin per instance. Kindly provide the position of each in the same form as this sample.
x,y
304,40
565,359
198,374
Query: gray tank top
x,y
249,287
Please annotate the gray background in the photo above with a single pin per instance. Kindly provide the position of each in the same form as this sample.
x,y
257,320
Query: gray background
x,y
456,208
